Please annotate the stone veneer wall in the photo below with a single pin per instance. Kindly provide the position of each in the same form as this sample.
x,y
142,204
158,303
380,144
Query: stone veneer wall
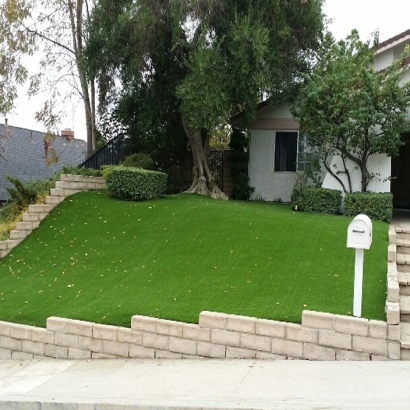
x,y
321,336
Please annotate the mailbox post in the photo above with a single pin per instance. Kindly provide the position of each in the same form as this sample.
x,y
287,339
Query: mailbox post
x,y
359,237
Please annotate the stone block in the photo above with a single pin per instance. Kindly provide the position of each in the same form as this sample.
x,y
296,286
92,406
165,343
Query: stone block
x,y
24,226
392,235
392,313
5,328
3,254
42,215
126,335
81,328
5,354
155,341
378,329
65,339
140,352
405,354
169,328
351,356
3,245
270,328
40,208
58,324
392,269
391,253
319,320
212,320
115,348
144,323
62,185
12,244
15,234
300,333
58,192
105,332
315,352
351,325
78,354
269,356
255,342
393,332
88,343
66,177
196,332
393,290
225,337
59,352
53,200
243,324
236,353
164,354
36,348
103,356
18,331
370,345
331,338
379,358
10,343
393,349
182,346
21,356
287,347
211,350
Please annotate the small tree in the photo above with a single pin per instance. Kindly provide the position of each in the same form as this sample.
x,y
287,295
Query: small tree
x,y
348,109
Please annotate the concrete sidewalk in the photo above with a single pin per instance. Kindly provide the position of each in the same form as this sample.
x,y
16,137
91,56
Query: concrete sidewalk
x,y
203,384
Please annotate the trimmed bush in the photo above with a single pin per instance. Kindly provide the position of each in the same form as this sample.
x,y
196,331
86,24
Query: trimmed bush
x,y
136,184
377,206
138,160
320,201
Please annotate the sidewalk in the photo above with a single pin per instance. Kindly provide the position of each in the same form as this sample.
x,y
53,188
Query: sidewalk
x,y
202,384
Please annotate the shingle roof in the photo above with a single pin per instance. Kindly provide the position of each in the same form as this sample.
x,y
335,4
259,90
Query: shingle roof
x,y
25,156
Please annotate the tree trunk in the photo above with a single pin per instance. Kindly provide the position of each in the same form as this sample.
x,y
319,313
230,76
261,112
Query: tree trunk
x,y
203,182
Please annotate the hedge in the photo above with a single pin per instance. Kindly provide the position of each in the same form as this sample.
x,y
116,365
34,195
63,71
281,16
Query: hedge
x,y
135,184
377,206
320,200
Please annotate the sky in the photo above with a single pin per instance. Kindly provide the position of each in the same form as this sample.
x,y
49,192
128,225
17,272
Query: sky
x,y
389,17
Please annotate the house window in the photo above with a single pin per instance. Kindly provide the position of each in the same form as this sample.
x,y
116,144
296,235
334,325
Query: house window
x,y
285,151
307,159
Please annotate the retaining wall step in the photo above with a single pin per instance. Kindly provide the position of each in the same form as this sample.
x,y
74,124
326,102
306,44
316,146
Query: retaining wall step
x,y
40,208
403,259
404,305
405,242
403,249
17,234
404,278
53,200
405,335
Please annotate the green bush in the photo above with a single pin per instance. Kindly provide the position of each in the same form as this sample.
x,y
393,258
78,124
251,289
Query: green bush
x,y
138,160
86,172
320,200
377,206
22,195
136,184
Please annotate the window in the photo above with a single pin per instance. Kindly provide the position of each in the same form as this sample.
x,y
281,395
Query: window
x,y
285,151
307,160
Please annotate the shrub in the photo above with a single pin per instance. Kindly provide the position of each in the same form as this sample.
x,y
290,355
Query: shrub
x,y
138,160
22,195
86,172
321,200
377,206
136,184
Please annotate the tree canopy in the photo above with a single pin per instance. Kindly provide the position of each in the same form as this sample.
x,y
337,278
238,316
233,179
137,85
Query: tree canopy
x,y
184,67
349,109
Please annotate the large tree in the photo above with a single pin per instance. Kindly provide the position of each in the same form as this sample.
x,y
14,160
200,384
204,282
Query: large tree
x,y
56,29
349,110
196,63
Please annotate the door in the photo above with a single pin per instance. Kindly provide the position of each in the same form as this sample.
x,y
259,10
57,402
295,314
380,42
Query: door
x,y
400,172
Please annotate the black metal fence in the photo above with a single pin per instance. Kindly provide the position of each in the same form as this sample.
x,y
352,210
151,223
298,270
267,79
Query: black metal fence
x,y
109,154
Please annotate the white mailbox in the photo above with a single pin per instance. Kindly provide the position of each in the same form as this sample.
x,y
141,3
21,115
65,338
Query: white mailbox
x,y
359,233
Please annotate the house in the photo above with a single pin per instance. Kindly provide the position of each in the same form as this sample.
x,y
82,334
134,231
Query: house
x,y
277,151
24,154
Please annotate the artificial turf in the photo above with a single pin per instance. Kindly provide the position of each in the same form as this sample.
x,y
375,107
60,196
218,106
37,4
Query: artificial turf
x,y
101,259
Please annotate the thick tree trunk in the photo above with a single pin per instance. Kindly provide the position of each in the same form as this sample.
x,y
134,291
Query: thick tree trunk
x,y
203,182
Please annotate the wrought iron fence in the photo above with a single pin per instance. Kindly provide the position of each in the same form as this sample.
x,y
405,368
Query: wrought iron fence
x,y
109,154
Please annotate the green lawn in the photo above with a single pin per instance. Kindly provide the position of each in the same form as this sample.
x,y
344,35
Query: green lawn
x,y
100,259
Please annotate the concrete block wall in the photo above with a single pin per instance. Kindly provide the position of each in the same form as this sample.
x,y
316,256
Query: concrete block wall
x,y
321,336
68,185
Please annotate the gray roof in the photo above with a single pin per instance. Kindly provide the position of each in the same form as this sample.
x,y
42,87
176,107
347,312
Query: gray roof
x,y
25,156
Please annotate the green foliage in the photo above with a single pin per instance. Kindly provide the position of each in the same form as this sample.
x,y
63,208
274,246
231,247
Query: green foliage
x,y
320,201
22,194
86,172
138,160
136,184
298,190
375,205
348,109
238,160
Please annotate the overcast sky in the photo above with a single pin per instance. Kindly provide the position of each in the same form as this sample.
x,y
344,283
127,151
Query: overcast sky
x,y
389,17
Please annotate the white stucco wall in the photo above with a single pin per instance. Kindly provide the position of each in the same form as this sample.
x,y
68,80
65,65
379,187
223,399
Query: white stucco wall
x,y
268,184
378,164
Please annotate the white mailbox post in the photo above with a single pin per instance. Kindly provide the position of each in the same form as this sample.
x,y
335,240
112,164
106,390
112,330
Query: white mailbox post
x,y
359,237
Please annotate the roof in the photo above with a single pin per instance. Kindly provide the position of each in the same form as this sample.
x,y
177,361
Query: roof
x,y
393,41
25,156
